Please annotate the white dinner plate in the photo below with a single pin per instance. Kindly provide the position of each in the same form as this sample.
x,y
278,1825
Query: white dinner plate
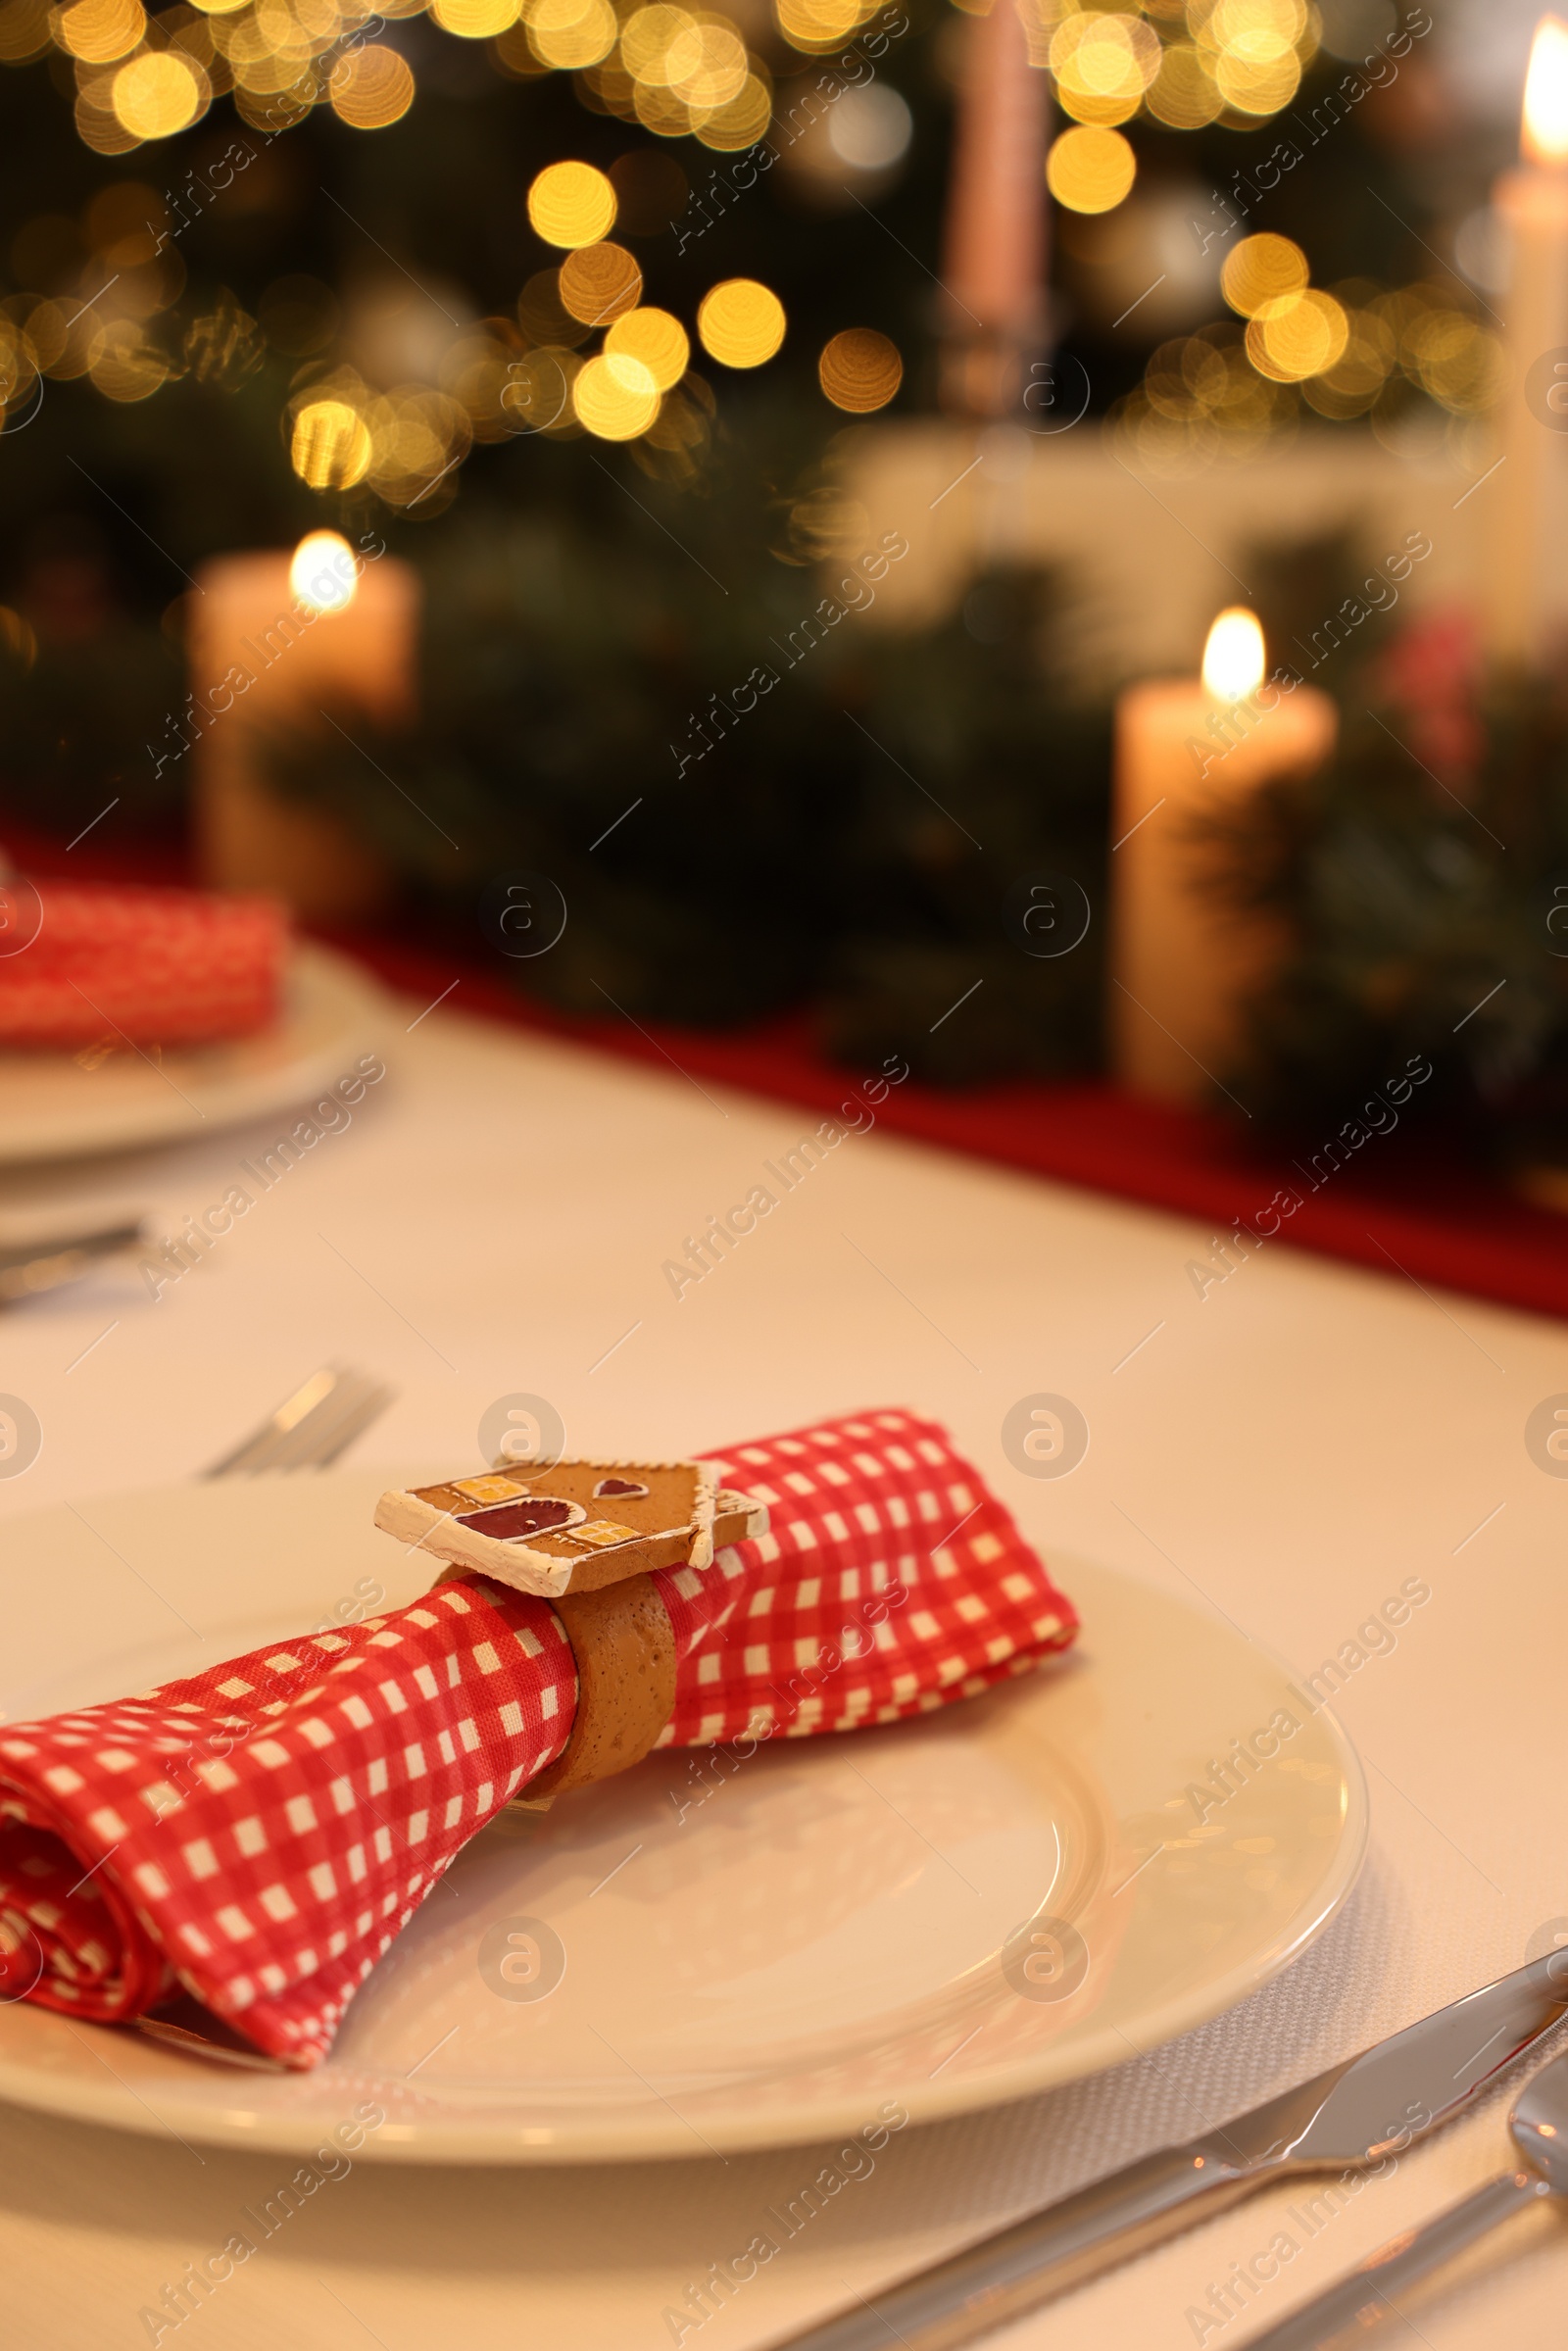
x,y
755,1953
52,1107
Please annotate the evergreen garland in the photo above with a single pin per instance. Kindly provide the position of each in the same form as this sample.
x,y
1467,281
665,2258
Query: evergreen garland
x,y
843,832
1424,876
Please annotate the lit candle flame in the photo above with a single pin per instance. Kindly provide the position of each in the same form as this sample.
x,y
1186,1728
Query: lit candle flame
x,y
322,573
1233,657
1544,138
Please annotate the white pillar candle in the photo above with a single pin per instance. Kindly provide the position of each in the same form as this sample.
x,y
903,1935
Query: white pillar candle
x,y
1524,598
278,640
1182,962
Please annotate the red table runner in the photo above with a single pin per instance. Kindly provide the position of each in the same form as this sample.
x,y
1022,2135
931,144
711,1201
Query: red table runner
x,y
1397,1204
1402,1205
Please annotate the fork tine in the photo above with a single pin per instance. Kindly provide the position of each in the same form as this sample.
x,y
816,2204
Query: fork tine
x,y
334,1424
294,1446
310,1427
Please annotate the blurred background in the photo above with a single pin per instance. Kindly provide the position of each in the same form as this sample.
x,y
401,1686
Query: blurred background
x,y
780,467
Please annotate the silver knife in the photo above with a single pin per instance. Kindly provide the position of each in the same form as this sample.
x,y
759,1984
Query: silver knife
x,y
1359,2112
27,1268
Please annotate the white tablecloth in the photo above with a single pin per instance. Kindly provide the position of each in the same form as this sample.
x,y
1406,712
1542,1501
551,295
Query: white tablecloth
x,y
1293,1444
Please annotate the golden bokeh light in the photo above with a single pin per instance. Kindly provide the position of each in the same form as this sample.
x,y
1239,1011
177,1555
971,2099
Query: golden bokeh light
x,y
331,446
322,573
730,128
681,431
741,323
1103,63
1184,95
543,316
708,69
1459,364
417,438
1234,658
654,338
1350,387
42,333
475,20
221,8
660,110
859,369
599,282
570,34
98,127
475,369
371,87
571,205
24,31
272,111
159,93
99,31
1254,50
1260,269
1257,88
615,396
815,26
537,397
1260,32
1090,169
512,51
60,342
649,38
1293,336
18,371
1202,402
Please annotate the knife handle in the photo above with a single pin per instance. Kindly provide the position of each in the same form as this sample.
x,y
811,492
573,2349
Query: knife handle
x,y
990,2283
1366,2295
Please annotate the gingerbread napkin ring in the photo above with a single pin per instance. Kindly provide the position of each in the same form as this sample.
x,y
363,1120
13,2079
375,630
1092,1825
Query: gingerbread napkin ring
x,y
573,1527
624,1648
587,1537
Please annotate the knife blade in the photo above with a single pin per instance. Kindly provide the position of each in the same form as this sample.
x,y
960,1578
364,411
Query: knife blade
x,y
1355,2113
27,1268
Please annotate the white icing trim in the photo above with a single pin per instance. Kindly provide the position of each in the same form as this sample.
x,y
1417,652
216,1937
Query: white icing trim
x,y
701,1553
757,1522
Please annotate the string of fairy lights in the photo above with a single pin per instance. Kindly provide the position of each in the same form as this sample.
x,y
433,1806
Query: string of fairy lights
x,y
584,354
1354,351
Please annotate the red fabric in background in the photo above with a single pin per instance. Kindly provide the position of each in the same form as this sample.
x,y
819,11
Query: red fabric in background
x,y
153,966
1405,1206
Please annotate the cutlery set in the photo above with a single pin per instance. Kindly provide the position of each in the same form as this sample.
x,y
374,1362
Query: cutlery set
x,y
1355,2113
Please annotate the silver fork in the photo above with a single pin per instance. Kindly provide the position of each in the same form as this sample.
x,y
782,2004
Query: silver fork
x,y
310,1427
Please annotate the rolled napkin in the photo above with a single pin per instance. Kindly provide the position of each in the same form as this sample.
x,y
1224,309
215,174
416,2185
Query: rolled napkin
x,y
90,961
258,1833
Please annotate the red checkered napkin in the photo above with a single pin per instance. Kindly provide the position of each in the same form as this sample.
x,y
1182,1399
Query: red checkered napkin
x,y
259,1834
146,966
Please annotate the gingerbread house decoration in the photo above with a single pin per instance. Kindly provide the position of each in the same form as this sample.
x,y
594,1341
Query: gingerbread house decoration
x,y
575,1526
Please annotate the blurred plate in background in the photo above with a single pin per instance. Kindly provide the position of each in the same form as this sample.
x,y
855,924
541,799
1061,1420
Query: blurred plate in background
x,y
53,1106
